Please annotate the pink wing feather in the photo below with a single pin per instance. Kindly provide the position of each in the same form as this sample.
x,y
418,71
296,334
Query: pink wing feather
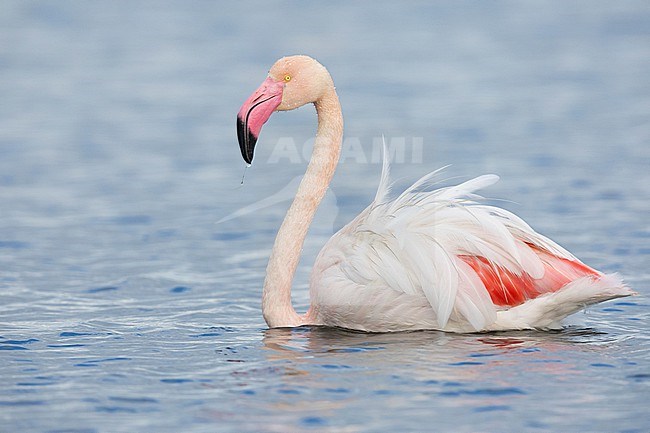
x,y
507,288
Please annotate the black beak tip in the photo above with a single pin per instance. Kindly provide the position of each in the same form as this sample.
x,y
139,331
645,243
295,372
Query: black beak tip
x,y
247,141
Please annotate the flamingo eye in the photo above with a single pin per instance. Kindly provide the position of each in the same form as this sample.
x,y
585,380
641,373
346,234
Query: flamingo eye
x,y
287,78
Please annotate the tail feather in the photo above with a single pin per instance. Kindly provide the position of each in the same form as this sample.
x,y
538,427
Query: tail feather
x,y
548,310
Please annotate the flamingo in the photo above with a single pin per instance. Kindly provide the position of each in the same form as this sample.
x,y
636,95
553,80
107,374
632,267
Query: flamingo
x,y
428,259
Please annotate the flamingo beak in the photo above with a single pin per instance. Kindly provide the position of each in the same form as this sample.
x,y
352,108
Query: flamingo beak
x,y
254,113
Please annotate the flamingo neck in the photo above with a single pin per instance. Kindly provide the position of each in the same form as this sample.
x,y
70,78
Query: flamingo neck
x,y
276,295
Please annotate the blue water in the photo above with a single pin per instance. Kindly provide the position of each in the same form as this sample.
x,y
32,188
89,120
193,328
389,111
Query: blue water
x,y
125,307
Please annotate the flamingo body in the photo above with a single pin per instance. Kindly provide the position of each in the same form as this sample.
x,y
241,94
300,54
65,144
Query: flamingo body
x,y
441,260
426,259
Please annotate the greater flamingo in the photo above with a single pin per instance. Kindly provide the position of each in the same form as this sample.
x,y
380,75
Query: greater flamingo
x,y
428,259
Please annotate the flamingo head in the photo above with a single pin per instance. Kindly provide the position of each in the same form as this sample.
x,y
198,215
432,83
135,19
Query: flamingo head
x,y
292,82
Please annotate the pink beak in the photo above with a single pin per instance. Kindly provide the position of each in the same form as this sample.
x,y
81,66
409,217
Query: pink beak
x,y
254,113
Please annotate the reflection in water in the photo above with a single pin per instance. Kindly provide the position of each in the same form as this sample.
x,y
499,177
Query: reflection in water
x,y
427,355
317,339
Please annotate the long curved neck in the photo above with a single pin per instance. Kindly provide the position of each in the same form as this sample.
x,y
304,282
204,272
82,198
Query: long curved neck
x,y
276,296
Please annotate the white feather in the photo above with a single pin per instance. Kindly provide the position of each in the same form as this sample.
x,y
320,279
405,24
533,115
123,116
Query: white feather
x,y
383,190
